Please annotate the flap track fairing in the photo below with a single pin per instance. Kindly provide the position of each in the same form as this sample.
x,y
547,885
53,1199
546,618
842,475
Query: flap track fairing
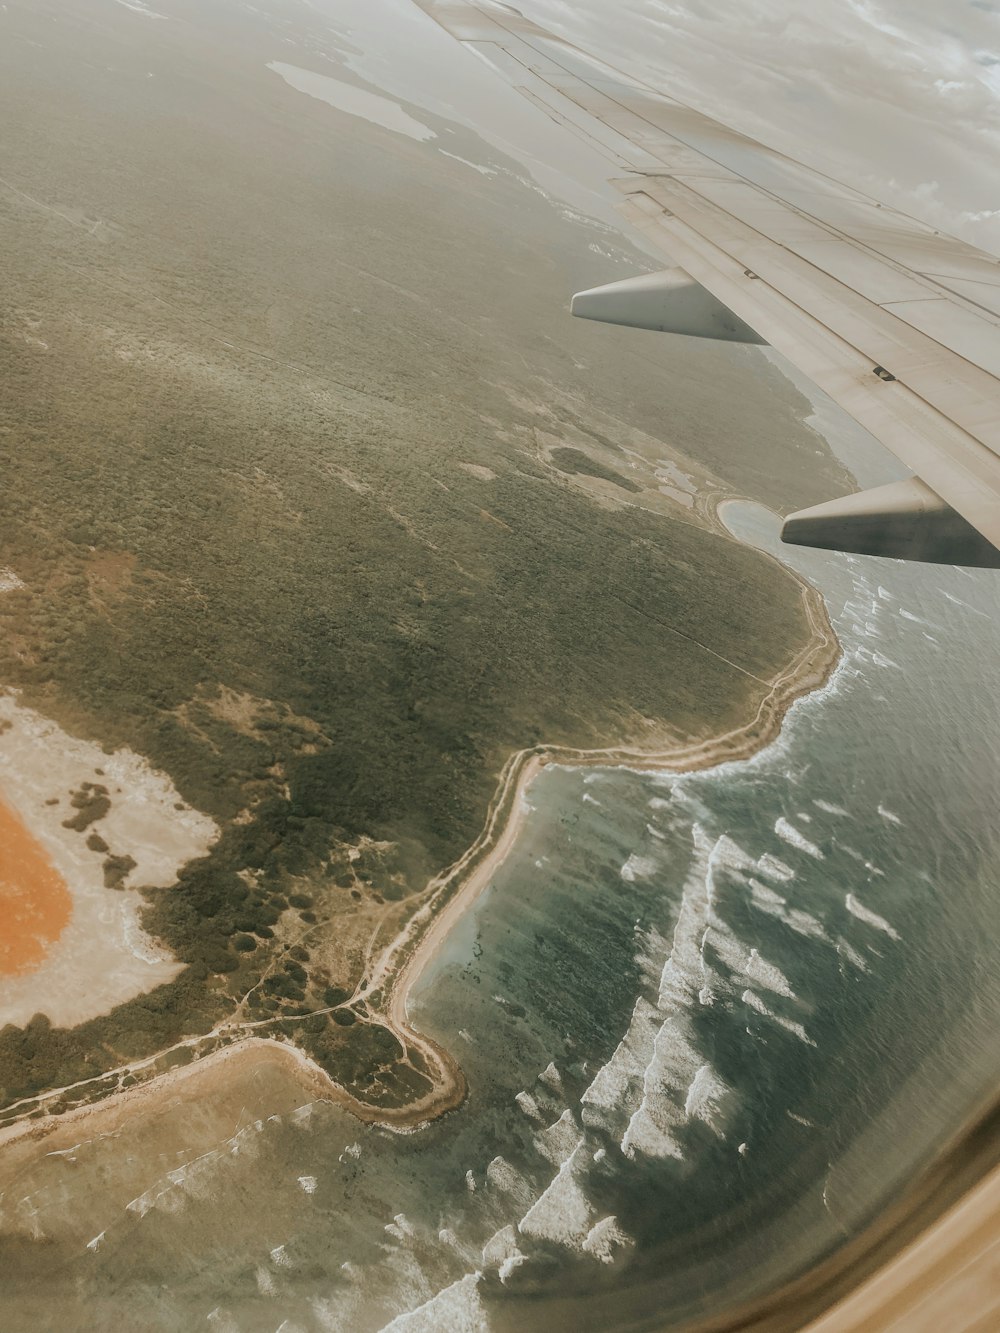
x,y
905,520
668,302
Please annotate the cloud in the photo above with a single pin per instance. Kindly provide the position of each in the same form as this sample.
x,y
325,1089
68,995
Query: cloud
x,y
887,95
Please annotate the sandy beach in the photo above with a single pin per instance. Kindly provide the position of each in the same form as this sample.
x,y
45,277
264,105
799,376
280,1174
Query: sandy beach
x,y
448,897
393,972
452,893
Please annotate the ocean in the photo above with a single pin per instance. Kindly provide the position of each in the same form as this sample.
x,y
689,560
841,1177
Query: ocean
x,y
711,1023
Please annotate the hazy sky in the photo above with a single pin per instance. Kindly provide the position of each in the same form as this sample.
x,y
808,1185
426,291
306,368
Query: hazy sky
x,y
898,97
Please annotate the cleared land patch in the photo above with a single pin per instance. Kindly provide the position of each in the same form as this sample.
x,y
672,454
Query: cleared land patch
x,y
276,426
80,829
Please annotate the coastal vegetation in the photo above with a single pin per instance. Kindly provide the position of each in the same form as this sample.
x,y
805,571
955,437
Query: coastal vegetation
x,y
274,493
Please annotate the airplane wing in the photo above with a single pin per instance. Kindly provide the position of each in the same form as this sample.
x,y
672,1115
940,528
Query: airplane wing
x,y
897,322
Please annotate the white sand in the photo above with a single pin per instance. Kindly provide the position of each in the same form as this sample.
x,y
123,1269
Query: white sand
x,y
103,957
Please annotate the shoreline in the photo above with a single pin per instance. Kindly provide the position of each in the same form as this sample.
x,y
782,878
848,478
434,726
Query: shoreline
x,y
448,895
249,1050
404,961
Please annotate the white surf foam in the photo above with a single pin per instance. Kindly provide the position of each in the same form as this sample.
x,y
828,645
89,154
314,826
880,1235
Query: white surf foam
x,y
754,1001
606,1241
551,1077
500,1247
964,605
881,660
617,1086
706,1098
852,955
829,808
399,1228
637,867
774,868
138,7
560,1140
563,1213
869,917
528,1106
502,1176
767,975
790,834
456,1309
767,899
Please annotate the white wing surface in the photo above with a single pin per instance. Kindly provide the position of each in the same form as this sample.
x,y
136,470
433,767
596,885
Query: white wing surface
x,y
897,322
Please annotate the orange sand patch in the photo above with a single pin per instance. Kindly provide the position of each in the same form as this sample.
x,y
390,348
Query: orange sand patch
x,y
35,903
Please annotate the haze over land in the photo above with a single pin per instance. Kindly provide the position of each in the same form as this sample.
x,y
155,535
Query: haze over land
x,y
322,505
323,527
898,98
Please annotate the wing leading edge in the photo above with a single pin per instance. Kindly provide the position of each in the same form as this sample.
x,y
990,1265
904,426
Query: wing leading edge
x,y
898,323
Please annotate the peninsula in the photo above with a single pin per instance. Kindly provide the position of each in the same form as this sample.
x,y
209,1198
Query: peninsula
x,y
309,525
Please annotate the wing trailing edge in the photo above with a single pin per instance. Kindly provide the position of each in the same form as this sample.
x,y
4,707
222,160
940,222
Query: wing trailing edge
x,y
896,321
906,520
